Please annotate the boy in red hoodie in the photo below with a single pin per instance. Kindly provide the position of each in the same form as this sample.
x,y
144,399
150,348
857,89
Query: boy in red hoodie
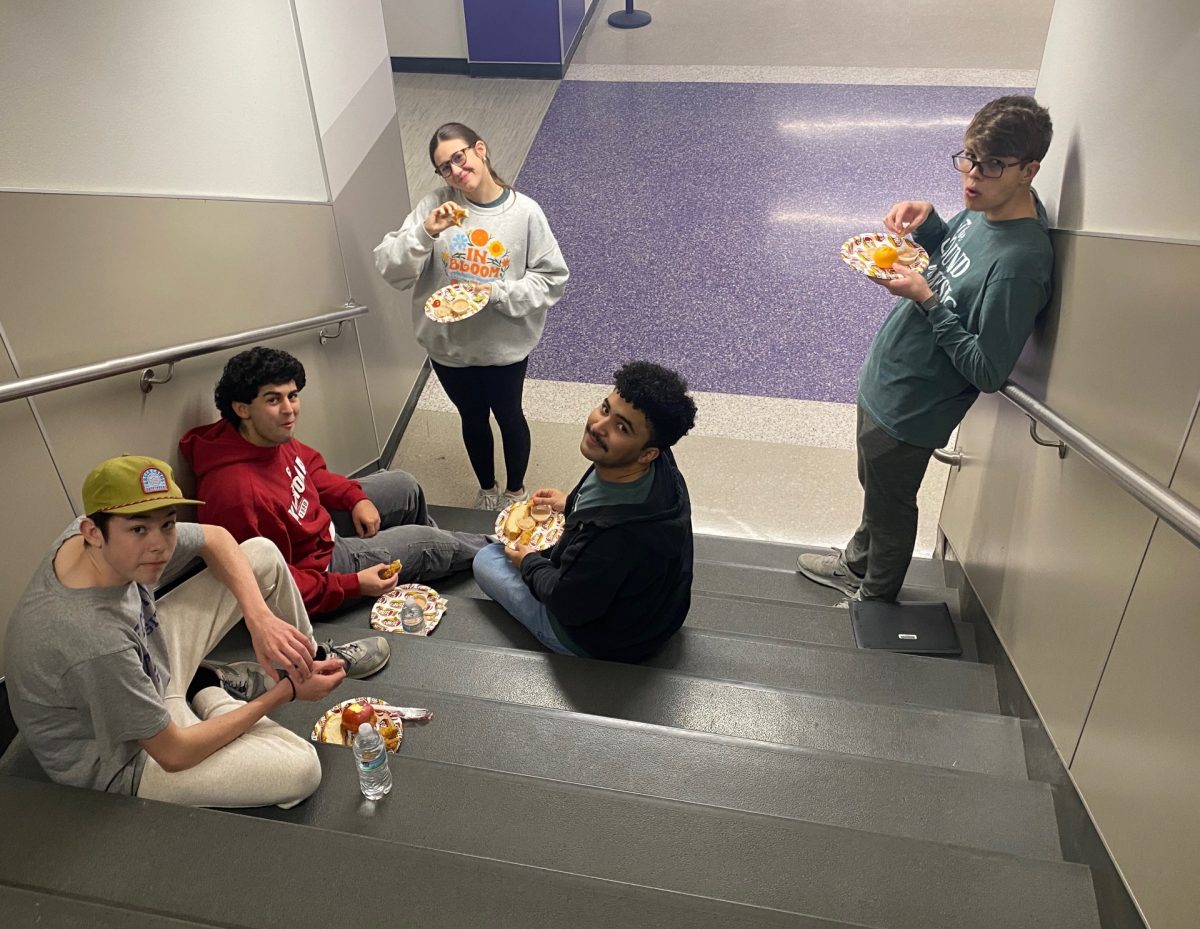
x,y
258,480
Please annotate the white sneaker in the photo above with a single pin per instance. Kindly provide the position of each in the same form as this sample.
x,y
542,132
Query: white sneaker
x,y
512,496
487,499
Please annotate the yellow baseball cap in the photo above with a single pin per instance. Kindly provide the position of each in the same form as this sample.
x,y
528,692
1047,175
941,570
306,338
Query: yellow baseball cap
x,y
129,485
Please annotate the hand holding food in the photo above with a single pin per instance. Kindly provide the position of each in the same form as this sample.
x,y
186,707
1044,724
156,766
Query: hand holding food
x,y
555,499
391,570
372,581
906,217
442,217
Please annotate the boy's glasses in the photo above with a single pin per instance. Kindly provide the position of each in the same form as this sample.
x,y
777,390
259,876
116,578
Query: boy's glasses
x,y
990,167
458,159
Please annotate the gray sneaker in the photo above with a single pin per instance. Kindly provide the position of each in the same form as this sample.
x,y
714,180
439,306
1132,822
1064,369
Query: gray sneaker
x,y
512,496
830,570
242,679
361,658
487,499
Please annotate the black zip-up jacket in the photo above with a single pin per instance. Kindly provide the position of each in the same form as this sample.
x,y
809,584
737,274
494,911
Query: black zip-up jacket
x,y
618,583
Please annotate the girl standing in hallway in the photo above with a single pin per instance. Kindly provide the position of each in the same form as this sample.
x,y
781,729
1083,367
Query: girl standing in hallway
x,y
503,248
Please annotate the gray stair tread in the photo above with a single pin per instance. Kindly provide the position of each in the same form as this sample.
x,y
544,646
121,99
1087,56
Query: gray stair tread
x,y
788,586
20,907
922,572
956,807
193,864
868,676
798,622
945,738
780,864
821,624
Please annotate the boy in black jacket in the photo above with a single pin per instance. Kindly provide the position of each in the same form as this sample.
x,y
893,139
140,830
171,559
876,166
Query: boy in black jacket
x,y
618,583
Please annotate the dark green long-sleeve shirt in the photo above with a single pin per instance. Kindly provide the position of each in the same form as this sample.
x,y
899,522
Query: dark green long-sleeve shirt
x,y
992,279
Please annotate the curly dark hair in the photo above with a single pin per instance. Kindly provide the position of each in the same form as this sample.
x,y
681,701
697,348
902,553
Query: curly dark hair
x,y
661,396
246,373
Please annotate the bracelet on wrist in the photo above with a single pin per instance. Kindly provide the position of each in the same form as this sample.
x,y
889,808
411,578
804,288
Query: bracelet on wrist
x,y
285,676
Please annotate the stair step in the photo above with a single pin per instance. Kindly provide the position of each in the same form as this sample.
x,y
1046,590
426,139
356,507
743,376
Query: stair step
x,y
780,864
227,869
797,622
945,738
868,676
922,572
47,910
787,586
800,622
950,806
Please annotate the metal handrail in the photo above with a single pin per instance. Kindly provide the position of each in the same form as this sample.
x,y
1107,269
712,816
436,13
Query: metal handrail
x,y
1167,505
44,383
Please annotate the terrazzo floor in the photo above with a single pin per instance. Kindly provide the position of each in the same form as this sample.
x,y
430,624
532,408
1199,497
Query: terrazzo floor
x,y
702,223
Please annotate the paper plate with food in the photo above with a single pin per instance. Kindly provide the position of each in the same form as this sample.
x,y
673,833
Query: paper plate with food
x,y
385,614
876,254
454,303
530,524
340,723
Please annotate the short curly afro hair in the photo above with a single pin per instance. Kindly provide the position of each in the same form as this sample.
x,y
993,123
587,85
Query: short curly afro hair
x,y
661,396
246,373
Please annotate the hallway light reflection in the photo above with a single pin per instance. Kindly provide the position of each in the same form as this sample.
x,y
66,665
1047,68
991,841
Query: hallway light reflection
x,y
854,125
831,219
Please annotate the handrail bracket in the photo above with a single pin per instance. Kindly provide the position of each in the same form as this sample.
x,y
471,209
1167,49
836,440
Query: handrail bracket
x,y
149,378
1061,446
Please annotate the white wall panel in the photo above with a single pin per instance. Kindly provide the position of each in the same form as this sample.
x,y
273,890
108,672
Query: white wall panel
x,y
343,45
425,28
358,127
170,97
1120,80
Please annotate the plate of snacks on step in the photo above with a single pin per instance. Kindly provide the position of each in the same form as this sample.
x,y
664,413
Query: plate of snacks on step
x,y
340,723
525,522
454,303
875,254
385,614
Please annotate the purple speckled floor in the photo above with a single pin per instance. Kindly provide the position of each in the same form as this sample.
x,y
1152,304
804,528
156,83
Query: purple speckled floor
x,y
702,223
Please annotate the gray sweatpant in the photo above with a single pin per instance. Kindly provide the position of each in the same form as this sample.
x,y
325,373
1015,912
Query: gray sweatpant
x,y
406,533
265,765
890,472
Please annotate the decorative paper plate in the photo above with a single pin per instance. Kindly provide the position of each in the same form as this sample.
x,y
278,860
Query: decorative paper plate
x,y
541,536
858,251
385,614
328,728
454,303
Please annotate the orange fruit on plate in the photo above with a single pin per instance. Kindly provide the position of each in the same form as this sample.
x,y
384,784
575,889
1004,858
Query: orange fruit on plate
x,y
884,257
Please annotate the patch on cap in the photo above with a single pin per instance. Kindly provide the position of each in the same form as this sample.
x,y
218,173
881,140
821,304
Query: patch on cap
x,y
154,481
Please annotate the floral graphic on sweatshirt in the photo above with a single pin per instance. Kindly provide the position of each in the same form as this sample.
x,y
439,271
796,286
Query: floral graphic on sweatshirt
x,y
473,254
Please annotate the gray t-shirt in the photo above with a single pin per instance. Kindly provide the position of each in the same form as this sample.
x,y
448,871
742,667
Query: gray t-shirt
x,y
87,671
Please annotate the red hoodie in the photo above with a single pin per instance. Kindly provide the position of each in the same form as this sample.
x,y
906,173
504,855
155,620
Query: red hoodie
x,y
280,493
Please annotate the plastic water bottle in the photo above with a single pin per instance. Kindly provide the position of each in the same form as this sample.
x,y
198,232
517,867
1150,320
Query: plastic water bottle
x,y
412,617
374,776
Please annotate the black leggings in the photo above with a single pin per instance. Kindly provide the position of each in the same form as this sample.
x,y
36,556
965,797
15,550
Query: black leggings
x,y
478,393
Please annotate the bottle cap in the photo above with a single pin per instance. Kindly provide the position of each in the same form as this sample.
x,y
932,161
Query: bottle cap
x,y
364,727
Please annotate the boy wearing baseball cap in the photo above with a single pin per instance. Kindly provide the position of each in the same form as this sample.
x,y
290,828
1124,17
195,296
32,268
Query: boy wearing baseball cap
x,y
111,690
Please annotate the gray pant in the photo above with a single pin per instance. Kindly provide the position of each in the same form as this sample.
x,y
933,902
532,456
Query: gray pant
x,y
890,472
406,533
